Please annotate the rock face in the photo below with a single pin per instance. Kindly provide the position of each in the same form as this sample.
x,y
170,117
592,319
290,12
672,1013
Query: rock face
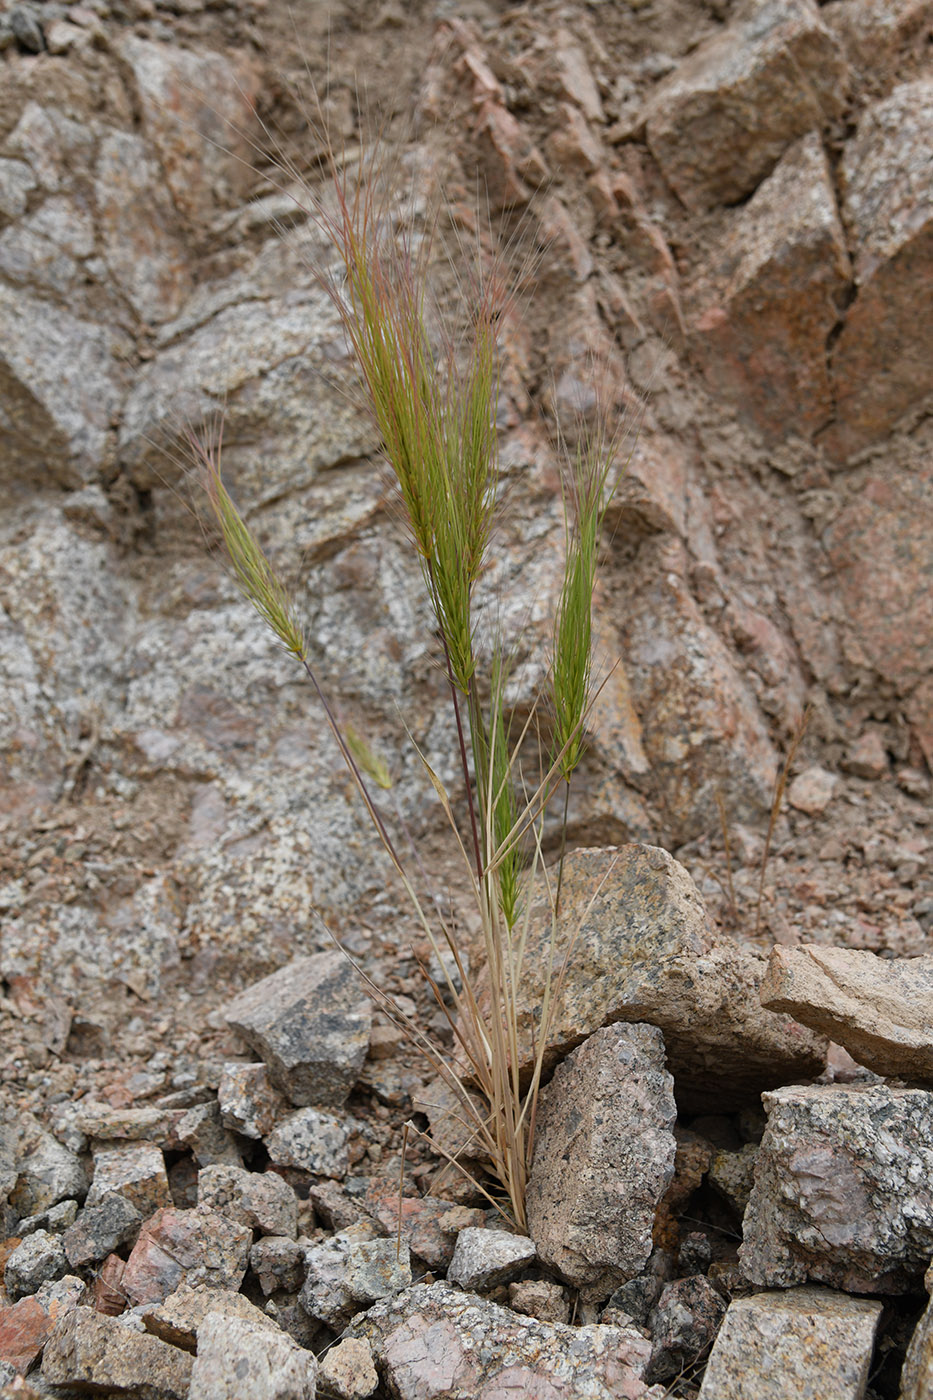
x,y
92,1351
237,1358
724,117
641,950
435,1340
774,1346
879,1009
310,1022
604,1155
917,1371
881,358
787,271
195,1245
842,1191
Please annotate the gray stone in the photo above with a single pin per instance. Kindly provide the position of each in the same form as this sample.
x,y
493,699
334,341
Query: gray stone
x,y
347,1371
260,1200
488,1258
310,1022
177,1319
249,1103
604,1156
38,1259
683,1326
135,1171
727,113
237,1358
56,1219
101,1229
879,1009
641,950
60,389
880,358
200,1130
46,1172
436,1340
26,25
806,1341
88,1350
843,1190
278,1262
55,146
313,1140
351,1270
16,183
917,1371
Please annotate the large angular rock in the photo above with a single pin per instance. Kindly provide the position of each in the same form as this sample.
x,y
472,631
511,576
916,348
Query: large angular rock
x,y
135,1171
100,1229
781,1345
313,1140
881,359
435,1340
179,1317
43,1171
59,388
192,1245
94,1352
39,1258
310,1022
351,1270
879,1009
604,1156
237,1358
726,114
487,1258
640,949
843,1191
784,276
259,1200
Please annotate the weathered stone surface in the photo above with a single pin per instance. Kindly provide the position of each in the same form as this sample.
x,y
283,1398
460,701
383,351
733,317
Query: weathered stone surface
x,y
785,272
249,1103
26,1325
349,1271
179,1317
540,1298
314,1140
197,109
45,1171
310,1022
879,1009
727,113
278,1262
812,791
806,1341
683,1325
60,389
202,1132
237,1358
39,1258
843,1191
604,1155
89,1350
136,1172
194,1245
880,363
347,1371
642,951
435,1340
917,1371
259,1200
488,1258
100,1229
429,1227
731,1174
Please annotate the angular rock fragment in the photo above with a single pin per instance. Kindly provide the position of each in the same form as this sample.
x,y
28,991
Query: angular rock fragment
x,y
843,1191
349,1271
784,279
25,1328
641,950
881,359
310,1022
780,1345
347,1371
278,1262
604,1155
249,1103
136,1172
488,1258
197,1245
100,1229
435,1340
237,1358
90,1351
726,114
540,1298
201,1131
314,1140
37,1259
429,1227
178,1318
259,1200
683,1325
42,1170
879,1009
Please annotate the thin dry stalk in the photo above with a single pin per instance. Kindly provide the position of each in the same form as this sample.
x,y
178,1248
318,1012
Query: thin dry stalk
x,y
777,801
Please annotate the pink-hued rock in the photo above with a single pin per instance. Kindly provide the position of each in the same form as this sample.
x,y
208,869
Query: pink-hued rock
x,y
437,1341
882,357
192,1245
429,1226
24,1330
812,791
721,121
782,281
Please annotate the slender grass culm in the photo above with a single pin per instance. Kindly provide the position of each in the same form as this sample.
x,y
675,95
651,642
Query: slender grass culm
x,y
431,390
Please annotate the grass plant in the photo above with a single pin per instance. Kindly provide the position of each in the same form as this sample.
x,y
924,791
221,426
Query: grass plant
x,y
431,386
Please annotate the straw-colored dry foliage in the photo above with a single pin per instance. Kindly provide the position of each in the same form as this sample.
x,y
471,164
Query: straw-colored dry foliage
x,y
431,391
